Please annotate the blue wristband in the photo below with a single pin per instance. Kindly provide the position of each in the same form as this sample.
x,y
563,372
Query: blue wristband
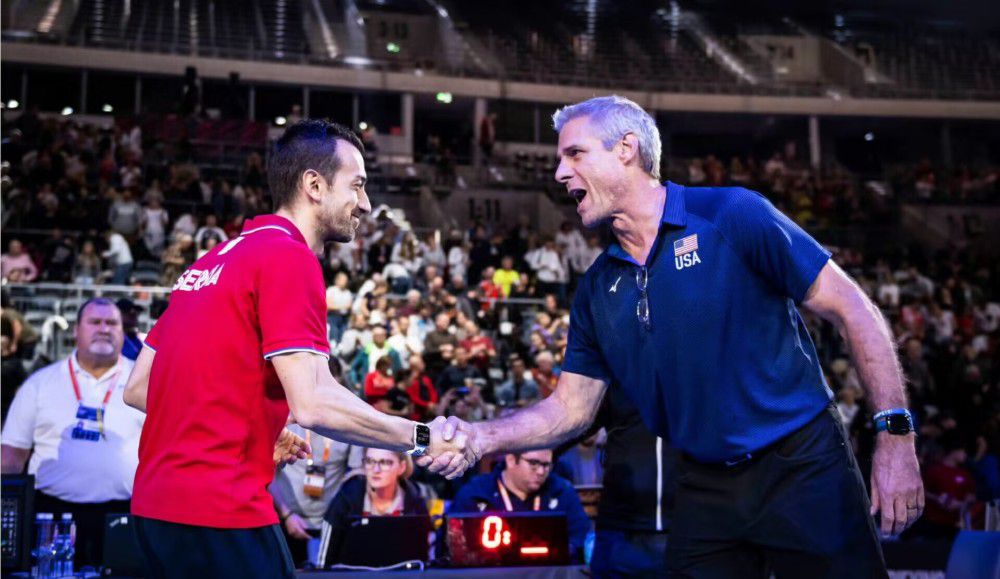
x,y
881,419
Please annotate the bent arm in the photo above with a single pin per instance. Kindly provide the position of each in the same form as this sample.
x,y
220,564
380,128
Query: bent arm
x,y
13,459
563,415
138,381
836,298
318,402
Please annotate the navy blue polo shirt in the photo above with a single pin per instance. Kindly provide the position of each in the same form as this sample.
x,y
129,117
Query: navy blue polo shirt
x,y
726,366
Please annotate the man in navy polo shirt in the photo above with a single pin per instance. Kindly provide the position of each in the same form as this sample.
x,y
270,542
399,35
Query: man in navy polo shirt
x,y
694,312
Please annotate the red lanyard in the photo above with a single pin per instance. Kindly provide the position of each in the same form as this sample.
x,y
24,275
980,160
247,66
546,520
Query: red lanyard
x,y
79,397
506,498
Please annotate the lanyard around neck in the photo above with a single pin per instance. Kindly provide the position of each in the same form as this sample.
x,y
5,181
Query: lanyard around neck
x,y
76,385
506,498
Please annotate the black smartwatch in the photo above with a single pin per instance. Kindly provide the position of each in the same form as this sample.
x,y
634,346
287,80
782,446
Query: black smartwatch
x,y
896,421
421,439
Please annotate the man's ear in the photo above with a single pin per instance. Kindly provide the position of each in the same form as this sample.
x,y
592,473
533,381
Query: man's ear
x,y
311,182
628,149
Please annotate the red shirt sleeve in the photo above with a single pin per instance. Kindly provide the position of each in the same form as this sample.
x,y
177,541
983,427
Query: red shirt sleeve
x,y
291,302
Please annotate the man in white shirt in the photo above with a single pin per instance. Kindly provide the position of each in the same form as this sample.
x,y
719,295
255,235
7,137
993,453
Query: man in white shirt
x,y
119,256
548,266
70,419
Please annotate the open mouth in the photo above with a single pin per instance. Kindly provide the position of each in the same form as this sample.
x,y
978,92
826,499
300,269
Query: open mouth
x,y
578,195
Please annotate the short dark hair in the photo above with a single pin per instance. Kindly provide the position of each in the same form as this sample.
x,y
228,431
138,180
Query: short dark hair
x,y
308,144
99,301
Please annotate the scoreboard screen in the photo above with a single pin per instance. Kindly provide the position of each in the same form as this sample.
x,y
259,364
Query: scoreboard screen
x,y
508,539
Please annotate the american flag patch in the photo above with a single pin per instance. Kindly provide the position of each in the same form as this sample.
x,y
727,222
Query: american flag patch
x,y
686,245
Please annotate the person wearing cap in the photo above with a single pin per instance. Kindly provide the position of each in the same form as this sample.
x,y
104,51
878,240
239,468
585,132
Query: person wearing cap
x,y
69,424
132,343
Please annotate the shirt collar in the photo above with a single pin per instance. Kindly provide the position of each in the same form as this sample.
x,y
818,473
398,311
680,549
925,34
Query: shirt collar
x,y
272,221
674,214
78,368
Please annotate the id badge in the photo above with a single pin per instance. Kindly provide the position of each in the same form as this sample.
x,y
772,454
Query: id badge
x,y
87,427
314,480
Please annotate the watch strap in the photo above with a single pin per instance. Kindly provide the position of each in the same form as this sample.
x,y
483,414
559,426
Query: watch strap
x,y
881,419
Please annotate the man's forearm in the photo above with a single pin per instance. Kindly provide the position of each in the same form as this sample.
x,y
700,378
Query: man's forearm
x,y
542,425
870,341
338,414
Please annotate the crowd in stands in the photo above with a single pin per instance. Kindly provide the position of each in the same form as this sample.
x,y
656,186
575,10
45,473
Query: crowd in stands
x,y
474,322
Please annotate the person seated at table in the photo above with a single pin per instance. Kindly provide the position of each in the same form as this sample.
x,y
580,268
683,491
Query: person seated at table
x,y
524,482
383,491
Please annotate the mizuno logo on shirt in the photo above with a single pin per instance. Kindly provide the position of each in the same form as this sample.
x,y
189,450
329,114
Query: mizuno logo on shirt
x,y
614,288
193,280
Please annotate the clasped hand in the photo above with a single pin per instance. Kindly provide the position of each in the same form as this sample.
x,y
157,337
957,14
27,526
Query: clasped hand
x,y
453,449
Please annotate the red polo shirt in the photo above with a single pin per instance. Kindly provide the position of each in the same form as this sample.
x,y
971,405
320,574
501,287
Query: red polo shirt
x,y
215,405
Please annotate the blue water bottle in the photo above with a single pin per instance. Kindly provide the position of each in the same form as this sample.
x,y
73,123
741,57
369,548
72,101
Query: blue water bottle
x,y
43,552
64,546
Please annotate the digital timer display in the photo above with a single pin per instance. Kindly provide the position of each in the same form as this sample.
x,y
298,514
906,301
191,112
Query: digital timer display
x,y
499,539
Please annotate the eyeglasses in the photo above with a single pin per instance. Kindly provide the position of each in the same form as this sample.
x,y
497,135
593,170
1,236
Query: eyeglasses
x,y
538,464
642,308
384,464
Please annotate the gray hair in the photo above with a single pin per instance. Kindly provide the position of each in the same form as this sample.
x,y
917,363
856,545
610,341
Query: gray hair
x,y
615,116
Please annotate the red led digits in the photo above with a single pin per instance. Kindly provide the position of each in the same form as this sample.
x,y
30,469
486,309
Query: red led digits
x,y
493,531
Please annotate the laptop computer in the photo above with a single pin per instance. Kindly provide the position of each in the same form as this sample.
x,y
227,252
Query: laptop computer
x,y
380,541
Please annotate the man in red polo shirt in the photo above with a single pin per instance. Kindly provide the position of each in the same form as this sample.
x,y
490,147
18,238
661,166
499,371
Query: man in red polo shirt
x,y
242,343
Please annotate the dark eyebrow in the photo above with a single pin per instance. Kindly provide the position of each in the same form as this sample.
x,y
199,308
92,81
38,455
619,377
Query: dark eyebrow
x,y
569,148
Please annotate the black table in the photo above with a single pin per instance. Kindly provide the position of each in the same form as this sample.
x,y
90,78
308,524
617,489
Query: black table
x,y
567,572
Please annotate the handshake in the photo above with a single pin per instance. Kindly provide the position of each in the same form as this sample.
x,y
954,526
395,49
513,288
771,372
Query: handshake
x,y
454,447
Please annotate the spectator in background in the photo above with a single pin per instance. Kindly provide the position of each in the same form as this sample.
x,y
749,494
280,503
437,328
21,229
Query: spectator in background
x,y
87,265
304,490
549,269
588,255
384,491
421,389
436,338
338,306
950,489
81,437
519,389
373,351
458,261
524,483
210,229
506,276
119,257
459,374
582,463
432,253
16,265
480,348
487,136
60,252
132,341
544,373
379,381
154,226
12,372
176,258
125,215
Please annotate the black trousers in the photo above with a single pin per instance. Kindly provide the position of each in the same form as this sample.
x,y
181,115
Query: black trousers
x,y
621,554
176,551
89,519
796,509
